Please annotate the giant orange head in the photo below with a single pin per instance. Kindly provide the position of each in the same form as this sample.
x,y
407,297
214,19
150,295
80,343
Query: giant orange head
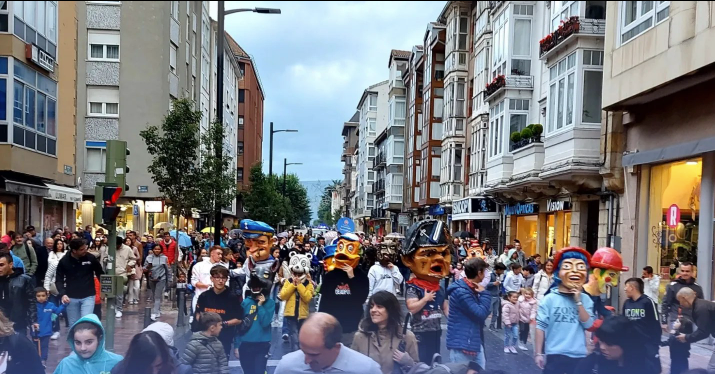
x,y
425,250
347,251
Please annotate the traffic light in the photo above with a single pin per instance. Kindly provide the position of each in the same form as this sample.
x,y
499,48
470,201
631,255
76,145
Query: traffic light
x,y
117,170
110,210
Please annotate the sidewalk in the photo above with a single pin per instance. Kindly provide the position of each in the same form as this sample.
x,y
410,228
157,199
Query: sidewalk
x,y
131,323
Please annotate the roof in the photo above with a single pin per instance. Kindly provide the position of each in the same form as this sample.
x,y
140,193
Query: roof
x,y
381,137
235,48
368,91
355,118
397,54
240,53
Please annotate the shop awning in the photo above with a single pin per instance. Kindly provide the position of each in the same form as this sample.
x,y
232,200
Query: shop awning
x,y
673,152
62,193
25,185
476,215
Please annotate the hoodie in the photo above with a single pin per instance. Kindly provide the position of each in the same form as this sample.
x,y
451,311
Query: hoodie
x,y
102,361
44,317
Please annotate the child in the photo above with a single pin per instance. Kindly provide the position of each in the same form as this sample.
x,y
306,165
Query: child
x,y
510,318
528,274
514,280
495,289
45,312
679,352
527,315
458,272
86,337
296,311
253,346
204,353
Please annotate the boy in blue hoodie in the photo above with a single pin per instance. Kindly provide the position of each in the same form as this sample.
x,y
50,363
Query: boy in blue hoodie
x,y
86,337
254,345
45,312
564,315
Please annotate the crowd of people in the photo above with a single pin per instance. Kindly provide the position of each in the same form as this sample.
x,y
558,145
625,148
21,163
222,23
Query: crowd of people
x,y
337,300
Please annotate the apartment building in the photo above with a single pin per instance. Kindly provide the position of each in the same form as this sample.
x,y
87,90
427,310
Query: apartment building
x,y
659,134
37,116
350,145
119,94
412,79
249,148
373,108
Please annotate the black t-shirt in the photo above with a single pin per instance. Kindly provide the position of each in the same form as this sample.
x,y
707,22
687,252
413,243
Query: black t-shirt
x,y
225,304
343,297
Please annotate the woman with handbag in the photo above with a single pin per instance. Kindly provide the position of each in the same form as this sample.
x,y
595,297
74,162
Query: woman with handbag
x,y
54,257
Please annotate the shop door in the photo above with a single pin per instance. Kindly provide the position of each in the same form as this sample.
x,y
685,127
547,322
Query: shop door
x,y
592,226
551,234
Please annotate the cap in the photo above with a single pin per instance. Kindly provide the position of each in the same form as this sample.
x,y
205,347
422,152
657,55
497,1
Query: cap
x,y
254,229
350,236
330,250
312,240
426,233
608,258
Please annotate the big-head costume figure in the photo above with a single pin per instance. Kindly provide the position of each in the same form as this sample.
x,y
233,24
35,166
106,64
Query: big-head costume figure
x,y
426,252
606,267
345,287
261,271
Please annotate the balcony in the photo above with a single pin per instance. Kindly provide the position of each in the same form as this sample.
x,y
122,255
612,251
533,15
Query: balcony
x,y
528,162
379,186
379,161
568,31
530,134
502,82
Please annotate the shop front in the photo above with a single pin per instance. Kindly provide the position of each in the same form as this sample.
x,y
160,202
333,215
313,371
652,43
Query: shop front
x,y
558,225
58,209
523,223
21,199
478,216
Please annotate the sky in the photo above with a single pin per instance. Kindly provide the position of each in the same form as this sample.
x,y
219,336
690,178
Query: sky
x,y
315,60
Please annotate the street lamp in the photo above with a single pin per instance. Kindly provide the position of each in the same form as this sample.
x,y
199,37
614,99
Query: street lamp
x,y
285,167
270,148
222,12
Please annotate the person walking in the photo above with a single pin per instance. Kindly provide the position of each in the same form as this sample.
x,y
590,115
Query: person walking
x,y
384,276
74,280
643,312
53,260
651,283
543,279
527,316
46,311
469,306
201,273
25,359
297,296
42,253
670,301
510,318
514,279
495,290
703,312
218,299
124,262
17,296
86,338
147,353
23,249
156,266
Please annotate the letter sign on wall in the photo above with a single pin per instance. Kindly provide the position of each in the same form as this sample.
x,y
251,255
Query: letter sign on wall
x,y
673,216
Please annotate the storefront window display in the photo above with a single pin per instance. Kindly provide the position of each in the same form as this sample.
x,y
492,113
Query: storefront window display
x,y
53,217
527,232
673,238
558,225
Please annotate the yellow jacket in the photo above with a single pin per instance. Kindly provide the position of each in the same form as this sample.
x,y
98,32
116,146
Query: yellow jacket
x,y
288,293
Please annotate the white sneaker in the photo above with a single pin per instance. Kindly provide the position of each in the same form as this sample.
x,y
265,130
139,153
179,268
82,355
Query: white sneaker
x,y
55,335
523,347
118,314
512,350
154,317
506,350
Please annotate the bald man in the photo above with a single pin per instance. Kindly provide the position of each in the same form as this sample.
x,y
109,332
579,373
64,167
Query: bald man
x,y
321,351
703,317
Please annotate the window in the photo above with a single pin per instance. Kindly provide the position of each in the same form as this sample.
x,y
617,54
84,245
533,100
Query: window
x,y
239,175
517,122
175,9
103,102
96,156
4,17
436,166
241,95
639,16
522,32
371,151
592,85
496,126
34,109
240,122
103,45
370,176
373,102
500,41
172,57
562,10
457,176
461,109
372,126
239,147
561,99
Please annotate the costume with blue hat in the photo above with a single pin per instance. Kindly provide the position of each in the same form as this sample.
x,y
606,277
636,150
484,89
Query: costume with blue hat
x,y
329,259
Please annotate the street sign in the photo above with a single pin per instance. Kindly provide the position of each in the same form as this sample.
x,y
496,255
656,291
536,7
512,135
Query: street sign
x,y
345,225
135,210
673,216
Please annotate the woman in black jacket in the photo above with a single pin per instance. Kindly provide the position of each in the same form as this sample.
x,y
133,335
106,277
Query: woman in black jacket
x,y
17,353
619,350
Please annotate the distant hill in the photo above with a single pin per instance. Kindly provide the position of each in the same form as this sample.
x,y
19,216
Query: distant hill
x,y
315,192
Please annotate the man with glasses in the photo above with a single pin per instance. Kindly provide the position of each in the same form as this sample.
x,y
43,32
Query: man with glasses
x,y
218,299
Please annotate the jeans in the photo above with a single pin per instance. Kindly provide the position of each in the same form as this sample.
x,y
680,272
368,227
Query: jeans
x,y
157,294
511,333
78,308
560,364
524,332
294,326
458,356
254,357
119,304
428,343
496,313
44,347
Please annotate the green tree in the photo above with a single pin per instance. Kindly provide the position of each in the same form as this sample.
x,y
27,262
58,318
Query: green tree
x,y
262,200
296,201
324,212
216,178
174,147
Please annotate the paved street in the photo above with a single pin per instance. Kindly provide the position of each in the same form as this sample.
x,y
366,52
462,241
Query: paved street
x,y
522,363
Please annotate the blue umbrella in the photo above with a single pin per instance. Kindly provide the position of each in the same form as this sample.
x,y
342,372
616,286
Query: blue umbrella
x,y
184,239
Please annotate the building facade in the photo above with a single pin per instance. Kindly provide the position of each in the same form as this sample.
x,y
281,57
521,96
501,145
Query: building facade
x,y
413,138
348,157
37,116
659,134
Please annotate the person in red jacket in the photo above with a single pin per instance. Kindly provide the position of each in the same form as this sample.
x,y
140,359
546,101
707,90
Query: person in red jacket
x,y
97,299
168,245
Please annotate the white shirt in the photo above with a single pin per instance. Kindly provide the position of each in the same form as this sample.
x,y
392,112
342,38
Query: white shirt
x,y
347,362
201,272
384,279
652,287
513,282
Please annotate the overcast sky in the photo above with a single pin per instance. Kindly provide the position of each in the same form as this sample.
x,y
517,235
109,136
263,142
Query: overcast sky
x,y
315,59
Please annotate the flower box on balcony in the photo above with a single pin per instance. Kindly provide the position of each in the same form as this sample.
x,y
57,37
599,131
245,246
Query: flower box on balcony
x,y
514,146
498,82
565,29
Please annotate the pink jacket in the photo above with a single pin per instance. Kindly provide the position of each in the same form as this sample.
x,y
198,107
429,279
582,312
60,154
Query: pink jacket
x,y
527,309
510,313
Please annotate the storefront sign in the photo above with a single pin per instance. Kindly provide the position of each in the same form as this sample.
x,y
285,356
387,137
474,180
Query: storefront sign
x,y
521,208
474,208
461,206
403,219
24,188
154,206
66,194
436,210
142,189
345,225
557,205
39,57
673,216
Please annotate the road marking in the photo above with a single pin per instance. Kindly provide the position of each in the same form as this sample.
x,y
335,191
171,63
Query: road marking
x,y
237,364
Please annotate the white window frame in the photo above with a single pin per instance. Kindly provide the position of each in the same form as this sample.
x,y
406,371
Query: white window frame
x,y
372,107
103,164
652,14
550,114
175,10
173,52
561,11
496,129
104,96
104,38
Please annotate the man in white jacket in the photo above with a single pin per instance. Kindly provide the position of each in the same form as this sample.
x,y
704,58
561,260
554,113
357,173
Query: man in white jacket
x,y
384,275
651,283
201,273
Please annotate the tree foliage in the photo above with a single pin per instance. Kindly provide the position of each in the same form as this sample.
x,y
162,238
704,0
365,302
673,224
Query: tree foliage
x,y
264,200
216,177
174,146
325,214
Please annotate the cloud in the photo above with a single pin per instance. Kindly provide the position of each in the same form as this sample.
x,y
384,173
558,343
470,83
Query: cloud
x,y
315,59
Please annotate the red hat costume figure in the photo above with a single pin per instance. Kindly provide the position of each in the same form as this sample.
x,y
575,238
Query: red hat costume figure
x,y
606,267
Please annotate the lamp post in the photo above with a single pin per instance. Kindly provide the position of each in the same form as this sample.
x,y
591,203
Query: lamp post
x,y
222,12
285,167
270,148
